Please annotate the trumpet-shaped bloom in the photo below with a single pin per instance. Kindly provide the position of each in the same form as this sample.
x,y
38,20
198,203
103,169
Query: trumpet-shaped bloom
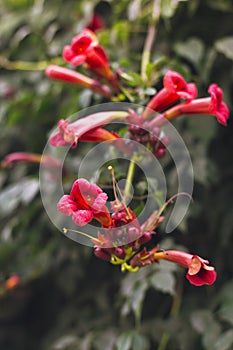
x,y
85,202
85,129
85,48
199,271
212,105
69,76
175,88
17,157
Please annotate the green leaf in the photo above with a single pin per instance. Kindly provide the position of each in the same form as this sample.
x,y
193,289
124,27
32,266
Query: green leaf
x,y
192,50
66,342
211,335
120,32
17,4
226,298
169,7
124,341
163,281
11,21
132,341
140,342
21,192
225,46
223,5
204,323
138,298
134,10
225,341
133,79
133,290
200,319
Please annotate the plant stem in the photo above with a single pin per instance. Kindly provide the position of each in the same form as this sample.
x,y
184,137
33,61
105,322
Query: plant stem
x,y
174,312
130,176
150,38
24,65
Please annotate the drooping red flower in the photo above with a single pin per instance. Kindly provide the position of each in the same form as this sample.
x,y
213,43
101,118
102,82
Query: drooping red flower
x,y
175,88
86,129
17,157
212,105
199,271
69,76
96,23
85,202
85,48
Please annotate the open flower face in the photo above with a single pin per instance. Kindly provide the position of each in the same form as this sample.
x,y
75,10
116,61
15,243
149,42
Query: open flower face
x,y
77,52
200,272
212,105
218,108
85,48
85,202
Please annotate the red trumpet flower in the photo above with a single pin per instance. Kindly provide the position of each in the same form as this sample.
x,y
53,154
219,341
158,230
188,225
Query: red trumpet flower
x,y
86,129
85,48
212,105
175,88
69,76
199,271
85,202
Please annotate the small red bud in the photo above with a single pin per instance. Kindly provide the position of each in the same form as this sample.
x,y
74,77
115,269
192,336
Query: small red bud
x,y
102,254
146,237
119,252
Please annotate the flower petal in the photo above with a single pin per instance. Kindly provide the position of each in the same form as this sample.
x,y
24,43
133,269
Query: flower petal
x,y
82,217
202,277
77,60
66,205
100,201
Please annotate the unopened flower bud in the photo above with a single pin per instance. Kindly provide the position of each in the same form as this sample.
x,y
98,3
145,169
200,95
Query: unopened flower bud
x,y
146,237
102,254
160,152
119,252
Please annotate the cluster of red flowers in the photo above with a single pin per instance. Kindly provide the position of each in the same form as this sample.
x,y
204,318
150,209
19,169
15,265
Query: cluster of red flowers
x,y
122,237
176,98
85,49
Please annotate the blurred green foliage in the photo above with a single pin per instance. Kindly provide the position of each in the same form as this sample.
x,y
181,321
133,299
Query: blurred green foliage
x,y
67,299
